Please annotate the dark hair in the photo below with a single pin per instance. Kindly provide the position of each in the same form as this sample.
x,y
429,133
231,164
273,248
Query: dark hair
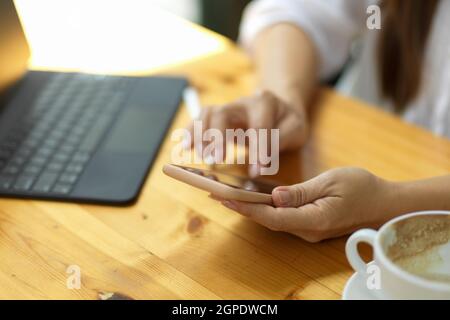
x,y
405,28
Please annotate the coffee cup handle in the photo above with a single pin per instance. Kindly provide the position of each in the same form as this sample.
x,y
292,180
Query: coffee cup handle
x,y
351,248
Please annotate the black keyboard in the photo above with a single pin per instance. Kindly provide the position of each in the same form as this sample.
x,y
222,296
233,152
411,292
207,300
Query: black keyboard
x,y
47,150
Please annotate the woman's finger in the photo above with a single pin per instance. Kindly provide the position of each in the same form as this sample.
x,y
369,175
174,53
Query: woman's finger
x,y
303,221
260,213
188,142
215,197
262,115
293,132
229,116
220,120
300,194
198,141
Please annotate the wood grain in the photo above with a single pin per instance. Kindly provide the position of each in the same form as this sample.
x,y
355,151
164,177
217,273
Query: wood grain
x,y
177,243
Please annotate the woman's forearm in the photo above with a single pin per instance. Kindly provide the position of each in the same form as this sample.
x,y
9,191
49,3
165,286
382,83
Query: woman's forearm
x,y
428,194
286,63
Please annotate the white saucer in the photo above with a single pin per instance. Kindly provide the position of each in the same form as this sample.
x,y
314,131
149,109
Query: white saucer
x,y
356,289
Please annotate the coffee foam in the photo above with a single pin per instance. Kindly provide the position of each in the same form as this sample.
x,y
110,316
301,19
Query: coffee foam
x,y
421,245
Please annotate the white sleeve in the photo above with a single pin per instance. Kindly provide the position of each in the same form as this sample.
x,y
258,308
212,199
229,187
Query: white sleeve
x,y
331,25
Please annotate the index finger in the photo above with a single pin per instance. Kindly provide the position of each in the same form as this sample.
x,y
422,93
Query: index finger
x,y
277,219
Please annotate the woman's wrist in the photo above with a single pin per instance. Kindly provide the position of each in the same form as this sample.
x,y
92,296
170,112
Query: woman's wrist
x,y
292,97
412,196
391,200
296,100
395,201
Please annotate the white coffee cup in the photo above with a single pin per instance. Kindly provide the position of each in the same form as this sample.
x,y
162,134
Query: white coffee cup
x,y
395,282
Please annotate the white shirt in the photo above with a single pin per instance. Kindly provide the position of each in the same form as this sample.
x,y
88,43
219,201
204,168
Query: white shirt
x,y
333,25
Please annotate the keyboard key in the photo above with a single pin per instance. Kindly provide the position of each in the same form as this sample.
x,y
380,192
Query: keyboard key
x,y
44,152
38,132
43,126
74,168
63,126
81,157
61,157
87,118
32,169
45,182
11,169
66,148
62,188
31,142
24,183
55,166
56,134
73,140
39,135
94,136
77,130
18,160
6,181
38,160
59,104
51,143
68,178
24,151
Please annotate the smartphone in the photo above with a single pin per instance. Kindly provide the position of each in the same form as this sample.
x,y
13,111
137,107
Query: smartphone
x,y
223,185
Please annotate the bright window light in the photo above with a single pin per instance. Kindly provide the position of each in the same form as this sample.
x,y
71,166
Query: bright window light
x,y
110,36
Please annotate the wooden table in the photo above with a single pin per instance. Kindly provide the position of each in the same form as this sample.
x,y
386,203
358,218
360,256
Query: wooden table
x,y
177,243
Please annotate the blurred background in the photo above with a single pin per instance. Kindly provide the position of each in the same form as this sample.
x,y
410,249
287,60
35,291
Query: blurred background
x,y
114,36
222,16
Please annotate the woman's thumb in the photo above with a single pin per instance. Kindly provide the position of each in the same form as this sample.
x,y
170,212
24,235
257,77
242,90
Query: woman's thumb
x,y
298,194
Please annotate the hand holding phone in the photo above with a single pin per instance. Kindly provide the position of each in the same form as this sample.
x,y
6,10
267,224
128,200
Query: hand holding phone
x,y
223,185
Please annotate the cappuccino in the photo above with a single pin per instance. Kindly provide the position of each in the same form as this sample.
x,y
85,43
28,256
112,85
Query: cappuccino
x,y
421,245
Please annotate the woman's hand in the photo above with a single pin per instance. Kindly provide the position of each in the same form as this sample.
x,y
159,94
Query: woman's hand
x,y
263,110
332,204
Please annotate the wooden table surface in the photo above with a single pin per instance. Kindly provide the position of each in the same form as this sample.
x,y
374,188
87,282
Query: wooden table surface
x,y
175,242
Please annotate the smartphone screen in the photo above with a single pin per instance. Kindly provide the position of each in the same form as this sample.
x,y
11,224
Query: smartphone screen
x,y
255,185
